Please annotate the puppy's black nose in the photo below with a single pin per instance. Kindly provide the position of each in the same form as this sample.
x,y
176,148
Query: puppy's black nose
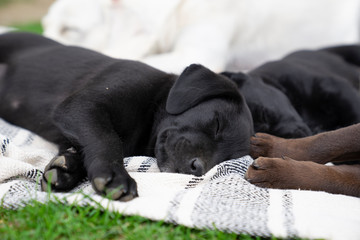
x,y
197,166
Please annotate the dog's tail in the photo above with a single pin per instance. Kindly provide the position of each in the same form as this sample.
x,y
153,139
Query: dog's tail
x,y
13,42
350,53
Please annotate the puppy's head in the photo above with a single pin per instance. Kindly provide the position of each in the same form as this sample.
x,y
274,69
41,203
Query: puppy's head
x,y
271,109
208,122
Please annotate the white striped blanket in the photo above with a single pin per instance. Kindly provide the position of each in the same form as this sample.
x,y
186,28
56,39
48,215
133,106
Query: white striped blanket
x,y
221,199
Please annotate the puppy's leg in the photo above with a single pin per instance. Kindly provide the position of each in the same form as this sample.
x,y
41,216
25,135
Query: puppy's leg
x,y
88,125
266,145
64,171
333,146
287,173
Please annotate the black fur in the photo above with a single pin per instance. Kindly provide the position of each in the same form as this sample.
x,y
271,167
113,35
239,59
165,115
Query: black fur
x,y
100,110
305,93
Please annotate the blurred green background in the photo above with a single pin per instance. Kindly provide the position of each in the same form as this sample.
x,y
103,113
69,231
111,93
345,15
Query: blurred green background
x,y
24,15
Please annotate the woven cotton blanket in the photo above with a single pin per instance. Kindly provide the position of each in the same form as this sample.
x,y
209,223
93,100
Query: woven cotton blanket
x,y
220,199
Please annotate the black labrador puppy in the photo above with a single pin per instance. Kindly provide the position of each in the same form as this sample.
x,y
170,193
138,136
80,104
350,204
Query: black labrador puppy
x,y
271,109
305,93
100,110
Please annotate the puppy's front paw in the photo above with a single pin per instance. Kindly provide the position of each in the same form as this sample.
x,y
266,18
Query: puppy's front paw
x,y
269,172
113,182
287,173
264,145
63,172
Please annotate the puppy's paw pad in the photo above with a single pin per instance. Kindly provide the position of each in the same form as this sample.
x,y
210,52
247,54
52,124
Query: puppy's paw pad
x,y
59,162
51,176
128,197
121,188
59,180
115,193
99,183
63,173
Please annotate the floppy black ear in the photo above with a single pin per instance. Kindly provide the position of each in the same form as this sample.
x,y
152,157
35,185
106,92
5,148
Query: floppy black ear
x,y
196,84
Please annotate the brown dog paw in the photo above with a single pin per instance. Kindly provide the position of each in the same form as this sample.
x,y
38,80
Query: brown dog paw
x,y
266,145
284,173
266,172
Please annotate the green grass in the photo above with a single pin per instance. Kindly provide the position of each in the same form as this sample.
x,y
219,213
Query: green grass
x,y
59,221
34,27
7,2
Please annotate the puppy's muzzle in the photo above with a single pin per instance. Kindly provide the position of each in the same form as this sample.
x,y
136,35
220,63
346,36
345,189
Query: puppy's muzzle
x,y
179,154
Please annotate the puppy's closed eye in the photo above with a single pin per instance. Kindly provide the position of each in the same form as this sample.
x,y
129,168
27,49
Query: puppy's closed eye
x,y
217,126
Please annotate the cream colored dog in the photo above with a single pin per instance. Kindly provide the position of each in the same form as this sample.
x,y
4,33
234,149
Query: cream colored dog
x,y
220,34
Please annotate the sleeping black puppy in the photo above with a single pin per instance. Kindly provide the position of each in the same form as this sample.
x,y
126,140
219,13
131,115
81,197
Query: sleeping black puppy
x,y
305,93
100,110
271,109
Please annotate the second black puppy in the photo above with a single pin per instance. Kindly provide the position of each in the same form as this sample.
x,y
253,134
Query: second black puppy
x,y
304,93
100,110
